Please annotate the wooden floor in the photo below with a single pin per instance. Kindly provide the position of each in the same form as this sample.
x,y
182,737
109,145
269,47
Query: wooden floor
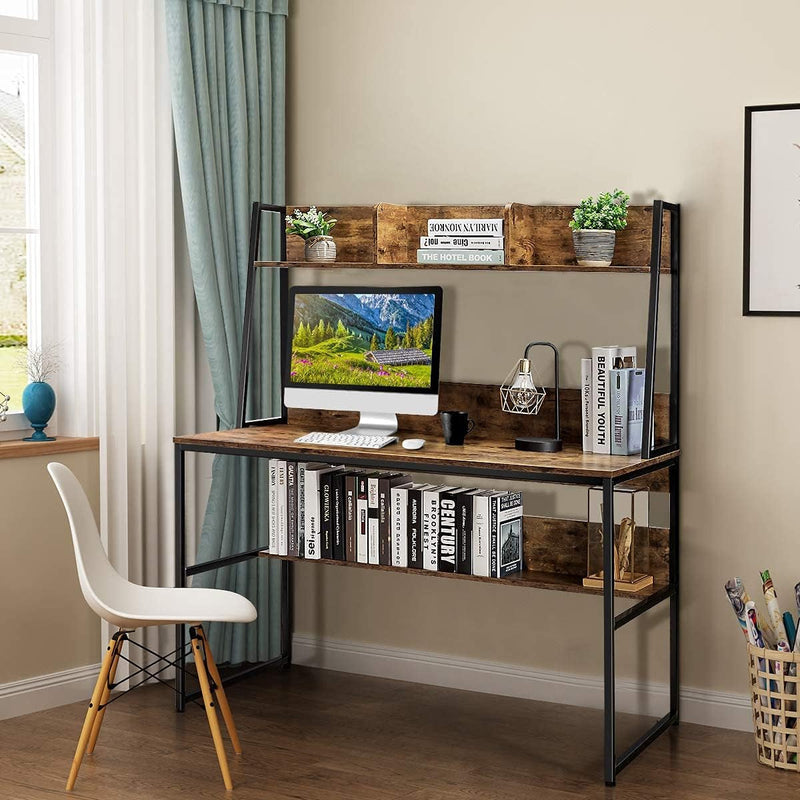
x,y
313,734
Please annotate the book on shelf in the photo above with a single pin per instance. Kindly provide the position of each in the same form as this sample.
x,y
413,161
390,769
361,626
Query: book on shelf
x,y
337,516
273,506
373,536
481,531
400,524
301,504
326,500
460,256
448,530
627,410
461,242
505,544
414,523
350,525
465,227
362,517
385,485
313,510
283,538
430,526
605,359
292,548
586,404
465,503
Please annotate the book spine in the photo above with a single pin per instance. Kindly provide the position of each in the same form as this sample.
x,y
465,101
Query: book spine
x,y
291,509
635,410
362,545
283,539
464,533
384,522
326,515
509,534
586,404
273,506
618,380
462,242
337,517
373,534
493,513
460,256
312,515
465,227
350,492
301,506
480,536
602,361
399,501
430,530
414,519
447,533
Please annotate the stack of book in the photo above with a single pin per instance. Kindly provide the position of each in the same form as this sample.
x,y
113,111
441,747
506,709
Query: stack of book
x,y
462,241
612,401
332,512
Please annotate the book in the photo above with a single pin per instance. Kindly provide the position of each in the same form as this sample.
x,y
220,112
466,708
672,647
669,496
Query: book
x,y
291,509
462,242
350,496
448,530
273,505
312,509
385,484
430,526
505,535
362,518
326,511
460,256
283,539
465,227
372,520
464,510
627,410
399,524
586,404
481,518
337,516
414,524
301,504
603,360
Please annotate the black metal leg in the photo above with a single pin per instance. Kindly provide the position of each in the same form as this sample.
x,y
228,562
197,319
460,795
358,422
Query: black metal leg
x,y
180,574
287,611
674,555
609,738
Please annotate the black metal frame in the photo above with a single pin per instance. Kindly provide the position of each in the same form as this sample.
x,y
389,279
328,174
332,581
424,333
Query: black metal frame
x,y
612,622
748,163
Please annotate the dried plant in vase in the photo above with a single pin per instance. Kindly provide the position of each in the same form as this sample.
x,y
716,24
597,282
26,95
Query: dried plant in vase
x,y
314,227
38,397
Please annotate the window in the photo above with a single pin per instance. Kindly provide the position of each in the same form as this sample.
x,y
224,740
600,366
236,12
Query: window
x,y
24,61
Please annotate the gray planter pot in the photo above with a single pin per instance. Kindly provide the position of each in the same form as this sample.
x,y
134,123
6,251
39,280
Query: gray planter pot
x,y
321,248
594,248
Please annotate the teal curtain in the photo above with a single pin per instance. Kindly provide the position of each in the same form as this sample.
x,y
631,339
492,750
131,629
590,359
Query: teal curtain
x,y
227,64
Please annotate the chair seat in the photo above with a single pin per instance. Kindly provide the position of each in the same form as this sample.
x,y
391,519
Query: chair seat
x,y
144,606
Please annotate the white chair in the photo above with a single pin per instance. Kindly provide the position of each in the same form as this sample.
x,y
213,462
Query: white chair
x,y
129,606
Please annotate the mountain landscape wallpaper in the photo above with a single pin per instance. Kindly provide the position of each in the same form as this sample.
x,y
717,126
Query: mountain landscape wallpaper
x,y
363,339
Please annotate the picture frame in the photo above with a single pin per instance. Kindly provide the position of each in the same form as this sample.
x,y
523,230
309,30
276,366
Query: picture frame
x,y
771,210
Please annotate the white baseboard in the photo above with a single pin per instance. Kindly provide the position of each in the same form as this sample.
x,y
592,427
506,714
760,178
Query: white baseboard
x,y
701,706
47,691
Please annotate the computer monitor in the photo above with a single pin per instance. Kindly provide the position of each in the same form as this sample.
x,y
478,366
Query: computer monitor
x,y
368,349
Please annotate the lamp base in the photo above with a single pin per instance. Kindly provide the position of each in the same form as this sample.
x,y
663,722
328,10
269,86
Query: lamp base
x,y
537,444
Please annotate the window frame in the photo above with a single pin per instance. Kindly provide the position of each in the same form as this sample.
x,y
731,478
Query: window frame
x,y
34,36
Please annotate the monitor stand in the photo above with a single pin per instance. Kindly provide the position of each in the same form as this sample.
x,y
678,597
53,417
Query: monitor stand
x,y
375,424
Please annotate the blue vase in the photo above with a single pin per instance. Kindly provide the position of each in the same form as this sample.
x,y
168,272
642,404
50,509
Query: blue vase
x,y
38,404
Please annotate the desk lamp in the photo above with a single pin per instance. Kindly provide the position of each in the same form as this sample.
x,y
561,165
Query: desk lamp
x,y
520,394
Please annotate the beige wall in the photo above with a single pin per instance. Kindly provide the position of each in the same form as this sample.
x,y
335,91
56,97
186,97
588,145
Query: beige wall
x,y
384,105
46,625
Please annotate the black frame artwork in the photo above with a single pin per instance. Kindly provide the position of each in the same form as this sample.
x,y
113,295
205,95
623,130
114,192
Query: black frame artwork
x,y
750,250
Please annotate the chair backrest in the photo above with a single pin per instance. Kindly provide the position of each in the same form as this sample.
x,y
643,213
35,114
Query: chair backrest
x,y
100,582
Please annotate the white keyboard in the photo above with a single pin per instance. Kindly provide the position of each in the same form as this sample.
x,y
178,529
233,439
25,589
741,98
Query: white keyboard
x,y
346,440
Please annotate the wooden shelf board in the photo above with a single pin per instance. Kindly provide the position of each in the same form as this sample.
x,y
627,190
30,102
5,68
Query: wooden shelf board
x,y
16,448
531,580
479,454
470,267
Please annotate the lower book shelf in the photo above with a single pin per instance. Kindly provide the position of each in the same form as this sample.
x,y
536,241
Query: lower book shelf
x,y
533,579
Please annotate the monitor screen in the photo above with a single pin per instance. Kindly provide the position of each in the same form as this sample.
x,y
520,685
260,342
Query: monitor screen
x,y
372,339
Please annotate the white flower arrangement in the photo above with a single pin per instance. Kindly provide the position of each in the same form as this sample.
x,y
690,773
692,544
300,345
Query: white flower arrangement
x,y
307,224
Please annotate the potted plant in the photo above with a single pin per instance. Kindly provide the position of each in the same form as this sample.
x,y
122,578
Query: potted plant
x,y
315,227
594,227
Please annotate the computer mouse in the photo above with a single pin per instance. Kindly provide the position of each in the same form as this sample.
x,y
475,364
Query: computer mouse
x,y
413,444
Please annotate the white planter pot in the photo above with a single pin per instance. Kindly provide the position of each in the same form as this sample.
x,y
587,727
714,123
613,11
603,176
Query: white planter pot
x,y
594,248
320,248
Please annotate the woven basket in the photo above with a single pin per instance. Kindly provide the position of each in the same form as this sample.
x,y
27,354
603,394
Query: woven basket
x,y
773,693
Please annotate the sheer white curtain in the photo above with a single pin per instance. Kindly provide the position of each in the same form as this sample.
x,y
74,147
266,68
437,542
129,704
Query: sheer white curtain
x,y
117,273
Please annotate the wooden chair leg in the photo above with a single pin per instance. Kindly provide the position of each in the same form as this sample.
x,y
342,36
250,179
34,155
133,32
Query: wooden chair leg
x,y
222,698
91,713
208,699
98,720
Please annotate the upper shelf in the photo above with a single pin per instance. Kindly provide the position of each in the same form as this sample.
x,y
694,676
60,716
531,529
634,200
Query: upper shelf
x,y
537,238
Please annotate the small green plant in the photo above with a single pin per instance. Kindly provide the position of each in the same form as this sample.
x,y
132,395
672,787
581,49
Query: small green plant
x,y
306,224
608,213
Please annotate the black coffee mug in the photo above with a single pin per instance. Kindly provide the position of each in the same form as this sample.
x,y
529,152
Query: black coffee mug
x,y
456,425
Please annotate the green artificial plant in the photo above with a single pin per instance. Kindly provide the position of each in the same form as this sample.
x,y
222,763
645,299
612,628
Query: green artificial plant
x,y
306,224
608,213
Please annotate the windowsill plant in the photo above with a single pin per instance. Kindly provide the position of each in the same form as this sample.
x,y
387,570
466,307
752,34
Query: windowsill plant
x,y
594,226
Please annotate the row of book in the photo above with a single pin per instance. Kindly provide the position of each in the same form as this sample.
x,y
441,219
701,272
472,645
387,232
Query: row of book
x,y
612,401
462,241
323,511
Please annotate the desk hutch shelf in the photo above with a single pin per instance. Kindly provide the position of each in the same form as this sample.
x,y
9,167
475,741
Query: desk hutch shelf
x,y
537,238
